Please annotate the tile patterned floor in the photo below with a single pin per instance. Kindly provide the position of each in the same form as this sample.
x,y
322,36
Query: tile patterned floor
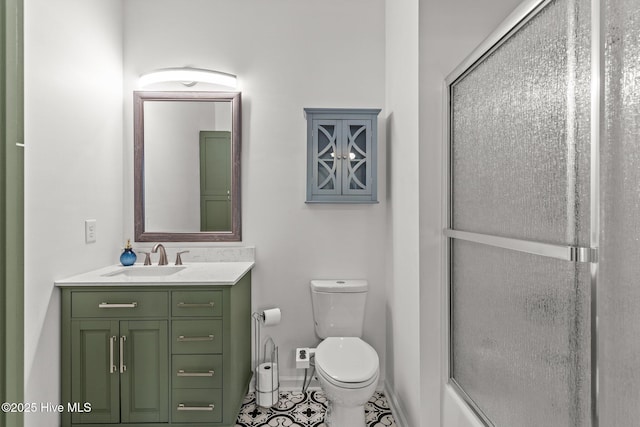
x,y
297,409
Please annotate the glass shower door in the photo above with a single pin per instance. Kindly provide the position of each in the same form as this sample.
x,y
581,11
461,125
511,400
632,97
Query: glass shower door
x,y
519,222
619,253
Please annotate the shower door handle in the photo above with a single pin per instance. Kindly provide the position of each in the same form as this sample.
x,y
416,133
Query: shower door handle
x,y
563,252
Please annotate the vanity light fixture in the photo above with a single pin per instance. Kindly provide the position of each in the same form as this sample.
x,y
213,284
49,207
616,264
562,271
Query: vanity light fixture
x,y
188,77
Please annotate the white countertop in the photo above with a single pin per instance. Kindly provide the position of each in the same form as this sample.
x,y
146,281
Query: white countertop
x,y
195,273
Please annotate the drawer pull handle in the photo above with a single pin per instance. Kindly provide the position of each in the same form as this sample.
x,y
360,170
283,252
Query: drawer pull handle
x,y
182,338
107,305
123,367
182,373
181,407
196,305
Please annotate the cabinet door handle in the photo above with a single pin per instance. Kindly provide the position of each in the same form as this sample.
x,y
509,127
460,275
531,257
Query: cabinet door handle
x,y
123,367
182,373
196,305
182,407
182,338
127,305
112,367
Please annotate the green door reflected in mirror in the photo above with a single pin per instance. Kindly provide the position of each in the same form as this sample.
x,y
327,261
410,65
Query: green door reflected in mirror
x,y
215,180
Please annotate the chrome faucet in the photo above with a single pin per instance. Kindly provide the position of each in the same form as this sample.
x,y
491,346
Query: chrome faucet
x,y
163,253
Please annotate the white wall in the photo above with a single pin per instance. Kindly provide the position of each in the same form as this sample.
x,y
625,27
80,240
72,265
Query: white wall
x,y
288,55
403,292
449,31
73,167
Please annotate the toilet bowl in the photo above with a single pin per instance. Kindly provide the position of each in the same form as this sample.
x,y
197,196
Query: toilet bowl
x,y
348,371
346,366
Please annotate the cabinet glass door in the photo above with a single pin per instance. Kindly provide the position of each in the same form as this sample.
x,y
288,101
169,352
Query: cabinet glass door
x,y
325,152
356,152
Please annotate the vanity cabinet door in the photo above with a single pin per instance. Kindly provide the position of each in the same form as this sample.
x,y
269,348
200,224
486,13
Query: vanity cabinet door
x,y
144,386
121,369
95,376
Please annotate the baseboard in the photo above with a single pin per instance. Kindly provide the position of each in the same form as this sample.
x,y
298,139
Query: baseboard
x,y
394,405
295,383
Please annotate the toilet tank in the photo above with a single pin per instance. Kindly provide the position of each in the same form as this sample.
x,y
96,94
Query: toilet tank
x,y
338,307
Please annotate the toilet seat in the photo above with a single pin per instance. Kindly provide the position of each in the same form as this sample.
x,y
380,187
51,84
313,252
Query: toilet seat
x,y
347,362
349,386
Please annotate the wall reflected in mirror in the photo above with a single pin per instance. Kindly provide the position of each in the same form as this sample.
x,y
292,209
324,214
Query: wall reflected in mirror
x,y
187,166
187,163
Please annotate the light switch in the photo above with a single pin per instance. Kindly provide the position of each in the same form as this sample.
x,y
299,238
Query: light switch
x,y
90,231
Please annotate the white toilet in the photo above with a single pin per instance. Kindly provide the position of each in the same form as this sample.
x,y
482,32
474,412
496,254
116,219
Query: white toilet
x,y
346,366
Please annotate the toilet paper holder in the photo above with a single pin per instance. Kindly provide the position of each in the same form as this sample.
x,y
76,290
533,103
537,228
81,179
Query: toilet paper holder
x,y
266,373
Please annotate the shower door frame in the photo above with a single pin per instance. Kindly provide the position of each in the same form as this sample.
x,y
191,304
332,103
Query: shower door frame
x,y
516,20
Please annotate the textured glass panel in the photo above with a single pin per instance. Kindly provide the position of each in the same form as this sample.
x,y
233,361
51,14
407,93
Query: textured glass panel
x,y
520,336
357,152
326,164
520,132
619,266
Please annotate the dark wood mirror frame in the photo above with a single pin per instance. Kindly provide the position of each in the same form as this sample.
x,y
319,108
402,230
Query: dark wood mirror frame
x,y
234,235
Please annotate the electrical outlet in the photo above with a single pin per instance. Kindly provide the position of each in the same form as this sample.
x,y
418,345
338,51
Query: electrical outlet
x,y
302,358
90,231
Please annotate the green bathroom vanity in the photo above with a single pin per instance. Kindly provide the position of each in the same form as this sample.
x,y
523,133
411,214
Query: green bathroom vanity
x,y
167,348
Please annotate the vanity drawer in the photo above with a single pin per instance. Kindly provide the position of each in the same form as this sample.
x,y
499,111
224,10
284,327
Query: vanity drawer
x,y
197,371
196,336
119,304
196,303
196,406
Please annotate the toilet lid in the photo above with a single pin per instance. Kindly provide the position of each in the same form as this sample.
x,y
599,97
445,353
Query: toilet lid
x,y
347,359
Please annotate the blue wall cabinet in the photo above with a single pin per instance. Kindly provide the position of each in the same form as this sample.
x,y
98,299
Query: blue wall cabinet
x,y
341,155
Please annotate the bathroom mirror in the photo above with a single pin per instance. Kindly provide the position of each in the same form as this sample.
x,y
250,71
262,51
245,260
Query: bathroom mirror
x,y
187,166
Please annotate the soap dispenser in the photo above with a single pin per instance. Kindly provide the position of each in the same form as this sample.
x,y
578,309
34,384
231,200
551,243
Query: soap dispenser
x,y
128,257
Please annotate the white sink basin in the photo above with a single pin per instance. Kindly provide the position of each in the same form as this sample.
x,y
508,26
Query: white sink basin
x,y
147,271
